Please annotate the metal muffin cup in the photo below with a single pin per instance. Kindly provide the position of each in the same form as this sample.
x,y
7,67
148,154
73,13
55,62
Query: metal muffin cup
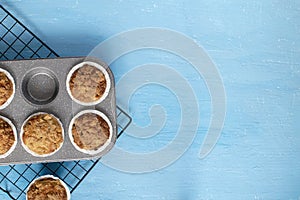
x,y
107,78
32,152
52,177
9,76
101,148
12,148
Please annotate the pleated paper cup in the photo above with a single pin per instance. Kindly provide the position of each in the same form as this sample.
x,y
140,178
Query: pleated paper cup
x,y
97,66
9,100
49,177
12,148
100,148
29,150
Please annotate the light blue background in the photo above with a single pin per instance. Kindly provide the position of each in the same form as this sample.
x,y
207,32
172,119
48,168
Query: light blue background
x,y
256,47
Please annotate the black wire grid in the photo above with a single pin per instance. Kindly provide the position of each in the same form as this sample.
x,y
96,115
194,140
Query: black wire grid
x,y
18,42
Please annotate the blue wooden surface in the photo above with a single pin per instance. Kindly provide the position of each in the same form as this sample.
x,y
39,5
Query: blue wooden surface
x,y
256,47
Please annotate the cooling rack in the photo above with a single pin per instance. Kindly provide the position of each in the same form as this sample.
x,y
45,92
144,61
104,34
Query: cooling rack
x,y
18,42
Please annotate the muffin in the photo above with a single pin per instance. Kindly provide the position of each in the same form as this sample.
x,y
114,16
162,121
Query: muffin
x,y
90,131
88,83
8,137
7,88
47,188
42,134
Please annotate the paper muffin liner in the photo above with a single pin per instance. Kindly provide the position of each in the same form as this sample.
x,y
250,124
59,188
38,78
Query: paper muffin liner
x,y
32,152
12,148
101,148
106,75
9,76
53,177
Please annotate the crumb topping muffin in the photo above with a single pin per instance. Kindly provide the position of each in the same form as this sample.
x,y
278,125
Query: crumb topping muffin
x,y
7,137
47,189
87,84
90,131
6,88
42,134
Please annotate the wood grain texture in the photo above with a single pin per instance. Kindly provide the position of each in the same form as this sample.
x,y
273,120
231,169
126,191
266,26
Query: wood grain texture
x,y
256,47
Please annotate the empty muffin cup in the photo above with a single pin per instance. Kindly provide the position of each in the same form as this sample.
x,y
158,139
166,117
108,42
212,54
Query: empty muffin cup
x,y
42,134
48,187
7,88
88,83
90,131
8,137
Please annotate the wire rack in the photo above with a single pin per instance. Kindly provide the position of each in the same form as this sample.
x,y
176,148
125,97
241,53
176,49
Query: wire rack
x,y
18,42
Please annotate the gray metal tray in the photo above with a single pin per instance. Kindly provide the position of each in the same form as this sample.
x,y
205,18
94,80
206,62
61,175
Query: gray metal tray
x,y
61,106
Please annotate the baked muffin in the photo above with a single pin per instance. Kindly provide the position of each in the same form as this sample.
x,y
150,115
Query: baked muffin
x,y
90,131
8,137
7,88
47,188
88,83
42,134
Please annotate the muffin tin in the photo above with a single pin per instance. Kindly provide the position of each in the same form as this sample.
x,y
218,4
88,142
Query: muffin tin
x,y
40,86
